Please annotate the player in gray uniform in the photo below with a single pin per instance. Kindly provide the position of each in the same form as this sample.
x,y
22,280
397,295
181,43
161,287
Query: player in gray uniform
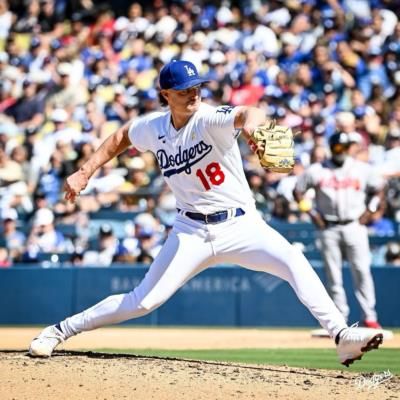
x,y
341,187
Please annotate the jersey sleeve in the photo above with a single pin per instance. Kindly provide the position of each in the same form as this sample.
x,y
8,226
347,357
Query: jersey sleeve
x,y
140,134
375,180
219,122
306,180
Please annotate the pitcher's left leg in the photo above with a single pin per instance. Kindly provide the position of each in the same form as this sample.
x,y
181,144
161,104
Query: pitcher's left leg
x,y
182,256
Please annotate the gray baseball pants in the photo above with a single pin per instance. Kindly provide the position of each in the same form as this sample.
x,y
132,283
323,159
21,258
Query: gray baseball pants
x,y
349,241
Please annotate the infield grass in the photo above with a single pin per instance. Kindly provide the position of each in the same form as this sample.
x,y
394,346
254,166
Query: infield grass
x,y
375,361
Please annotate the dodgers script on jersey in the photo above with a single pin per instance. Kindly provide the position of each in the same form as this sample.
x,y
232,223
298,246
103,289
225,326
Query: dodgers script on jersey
x,y
341,192
201,162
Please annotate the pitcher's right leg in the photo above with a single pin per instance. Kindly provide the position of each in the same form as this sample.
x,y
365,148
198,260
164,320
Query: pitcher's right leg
x,y
261,248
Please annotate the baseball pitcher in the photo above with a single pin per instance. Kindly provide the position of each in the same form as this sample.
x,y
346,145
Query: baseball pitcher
x,y
217,222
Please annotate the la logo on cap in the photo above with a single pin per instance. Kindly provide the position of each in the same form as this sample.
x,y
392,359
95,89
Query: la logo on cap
x,y
190,71
180,75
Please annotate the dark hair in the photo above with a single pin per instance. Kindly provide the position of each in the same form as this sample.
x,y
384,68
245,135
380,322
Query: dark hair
x,y
161,99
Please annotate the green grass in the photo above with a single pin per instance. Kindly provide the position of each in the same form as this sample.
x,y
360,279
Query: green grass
x,y
376,361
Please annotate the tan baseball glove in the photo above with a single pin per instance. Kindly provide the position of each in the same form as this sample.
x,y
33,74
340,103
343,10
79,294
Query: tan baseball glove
x,y
274,147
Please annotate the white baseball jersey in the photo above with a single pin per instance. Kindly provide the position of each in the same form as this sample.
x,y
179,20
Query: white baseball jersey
x,y
341,191
201,162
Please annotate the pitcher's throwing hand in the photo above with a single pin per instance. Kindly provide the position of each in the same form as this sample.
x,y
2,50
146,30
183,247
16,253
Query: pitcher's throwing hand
x,y
75,184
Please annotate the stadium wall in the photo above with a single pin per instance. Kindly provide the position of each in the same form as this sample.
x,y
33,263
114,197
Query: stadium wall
x,y
220,296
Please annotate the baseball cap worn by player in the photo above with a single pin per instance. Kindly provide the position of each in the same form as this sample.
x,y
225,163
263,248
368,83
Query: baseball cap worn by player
x,y
339,144
180,75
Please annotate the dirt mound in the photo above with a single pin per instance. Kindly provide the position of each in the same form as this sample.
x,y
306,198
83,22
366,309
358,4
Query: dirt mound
x,y
88,375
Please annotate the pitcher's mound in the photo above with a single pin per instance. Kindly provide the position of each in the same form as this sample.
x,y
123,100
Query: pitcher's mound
x,y
98,376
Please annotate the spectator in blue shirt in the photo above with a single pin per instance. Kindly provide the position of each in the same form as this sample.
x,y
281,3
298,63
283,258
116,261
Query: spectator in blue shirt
x,y
51,179
28,110
13,238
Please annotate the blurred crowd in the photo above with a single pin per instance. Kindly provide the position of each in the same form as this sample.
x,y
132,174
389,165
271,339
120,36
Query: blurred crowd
x,y
73,71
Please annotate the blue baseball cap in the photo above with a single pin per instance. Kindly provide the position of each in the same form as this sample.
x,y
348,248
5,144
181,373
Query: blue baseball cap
x,y
180,75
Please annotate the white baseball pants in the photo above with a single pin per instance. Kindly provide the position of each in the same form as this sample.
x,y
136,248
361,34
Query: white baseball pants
x,y
192,247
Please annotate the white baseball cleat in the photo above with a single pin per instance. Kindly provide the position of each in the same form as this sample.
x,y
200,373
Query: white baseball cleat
x,y
354,342
44,344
